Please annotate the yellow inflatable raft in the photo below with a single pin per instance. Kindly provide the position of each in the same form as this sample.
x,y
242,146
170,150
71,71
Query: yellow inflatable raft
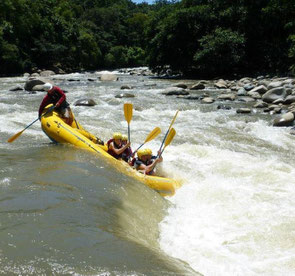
x,y
60,132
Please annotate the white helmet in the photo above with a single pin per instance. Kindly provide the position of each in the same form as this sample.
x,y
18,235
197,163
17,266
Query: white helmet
x,y
47,86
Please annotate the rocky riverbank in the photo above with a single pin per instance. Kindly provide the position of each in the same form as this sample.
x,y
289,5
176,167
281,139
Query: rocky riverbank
x,y
274,96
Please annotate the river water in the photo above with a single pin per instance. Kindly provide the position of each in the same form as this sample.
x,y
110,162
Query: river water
x,y
65,211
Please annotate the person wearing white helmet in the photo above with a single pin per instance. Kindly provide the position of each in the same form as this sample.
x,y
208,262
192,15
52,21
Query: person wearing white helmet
x,y
57,97
146,161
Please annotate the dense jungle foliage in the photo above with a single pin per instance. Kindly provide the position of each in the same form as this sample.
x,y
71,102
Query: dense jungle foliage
x,y
195,37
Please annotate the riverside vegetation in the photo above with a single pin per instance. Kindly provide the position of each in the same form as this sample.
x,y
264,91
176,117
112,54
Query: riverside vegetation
x,y
198,38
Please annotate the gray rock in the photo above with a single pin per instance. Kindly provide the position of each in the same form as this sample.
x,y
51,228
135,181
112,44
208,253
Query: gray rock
x,y
224,97
274,94
246,99
198,86
207,100
261,89
241,92
126,87
286,119
254,95
289,99
243,110
223,107
124,95
221,84
260,104
16,88
181,85
31,82
85,102
274,84
38,87
249,86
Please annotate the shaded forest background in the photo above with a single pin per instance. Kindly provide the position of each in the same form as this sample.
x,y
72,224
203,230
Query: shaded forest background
x,y
200,38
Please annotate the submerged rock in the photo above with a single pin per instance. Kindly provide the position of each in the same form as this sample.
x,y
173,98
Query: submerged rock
x,y
85,102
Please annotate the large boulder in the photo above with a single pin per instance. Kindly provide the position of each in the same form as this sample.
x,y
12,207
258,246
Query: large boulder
x,y
274,94
31,82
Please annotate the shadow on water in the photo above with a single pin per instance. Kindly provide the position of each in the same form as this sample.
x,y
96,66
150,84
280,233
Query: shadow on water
x,y
63,210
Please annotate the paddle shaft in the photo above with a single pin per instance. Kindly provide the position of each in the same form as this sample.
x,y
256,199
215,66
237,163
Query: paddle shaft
x,y
14,137
167,133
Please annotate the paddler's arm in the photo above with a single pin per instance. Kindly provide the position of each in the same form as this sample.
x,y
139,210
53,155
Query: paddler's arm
x,y
44,103
120,150
62,98
150,167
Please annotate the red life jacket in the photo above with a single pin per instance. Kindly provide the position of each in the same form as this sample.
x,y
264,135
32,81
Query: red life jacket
x,y
111,152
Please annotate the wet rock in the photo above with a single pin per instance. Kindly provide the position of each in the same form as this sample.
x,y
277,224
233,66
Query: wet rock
x,y
274,94
31,82
289,99
221,84
243,110
207,100
126,87
246,99
223,107
124,95
261,89
38,87
85,102
181,85
198,86
254,95
274,84
192,98
260,104
249,86
16,88
72,79
175,91
225,97
241,92
286,119
91,79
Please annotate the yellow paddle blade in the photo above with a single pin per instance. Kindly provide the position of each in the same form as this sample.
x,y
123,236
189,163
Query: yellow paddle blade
x,y
170,136
128,109
174,119
153,134
15,136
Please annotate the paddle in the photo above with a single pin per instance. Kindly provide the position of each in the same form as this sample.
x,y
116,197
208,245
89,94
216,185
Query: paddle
x,y
128,109
173,120
169,139
152,135
15,136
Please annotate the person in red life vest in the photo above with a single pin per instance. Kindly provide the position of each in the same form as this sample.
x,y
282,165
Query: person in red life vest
x,y
127,153
146,161
57,97
115,147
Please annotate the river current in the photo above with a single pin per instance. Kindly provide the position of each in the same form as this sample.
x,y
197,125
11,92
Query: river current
x,y
65,211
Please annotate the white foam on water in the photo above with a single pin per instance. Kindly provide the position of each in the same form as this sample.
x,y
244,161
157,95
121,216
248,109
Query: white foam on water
x,y
233,215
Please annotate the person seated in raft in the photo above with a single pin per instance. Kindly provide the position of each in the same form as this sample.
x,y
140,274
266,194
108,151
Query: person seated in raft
x,y
57,97
115,147
146,161
127,153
